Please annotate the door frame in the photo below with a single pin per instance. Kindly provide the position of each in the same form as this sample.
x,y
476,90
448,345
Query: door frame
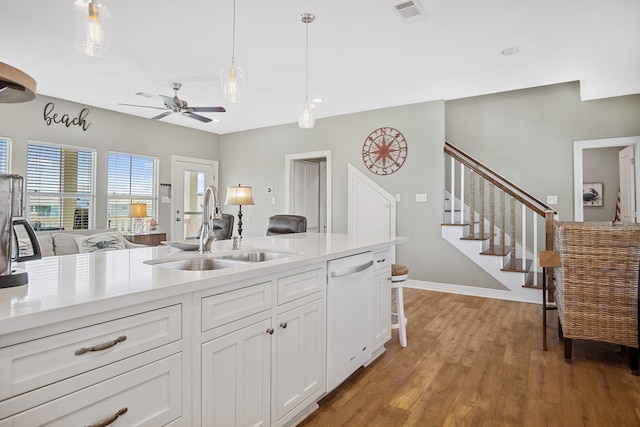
x,y
174,192
578,147
289,178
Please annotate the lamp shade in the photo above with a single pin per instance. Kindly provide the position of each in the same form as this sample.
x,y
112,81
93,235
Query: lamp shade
x,y
138,210
239,195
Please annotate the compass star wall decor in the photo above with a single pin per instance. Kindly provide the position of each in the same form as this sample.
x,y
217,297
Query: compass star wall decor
x,y
384,151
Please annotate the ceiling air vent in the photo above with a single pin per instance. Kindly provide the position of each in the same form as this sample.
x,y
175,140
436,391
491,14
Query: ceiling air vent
x,y
145,95
409,11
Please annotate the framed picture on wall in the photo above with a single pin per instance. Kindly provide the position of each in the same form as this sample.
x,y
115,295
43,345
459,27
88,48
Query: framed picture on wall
x,y
592,194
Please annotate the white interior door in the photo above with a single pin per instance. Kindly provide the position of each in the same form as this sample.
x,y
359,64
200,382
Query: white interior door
x,y
627,184
190,178
307,192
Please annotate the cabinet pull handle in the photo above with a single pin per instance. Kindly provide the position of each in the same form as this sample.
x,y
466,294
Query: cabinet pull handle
x,y
283,325
111,419
101,347
270,331
382,260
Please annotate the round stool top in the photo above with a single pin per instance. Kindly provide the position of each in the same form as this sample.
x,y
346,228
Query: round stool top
x,y
399,270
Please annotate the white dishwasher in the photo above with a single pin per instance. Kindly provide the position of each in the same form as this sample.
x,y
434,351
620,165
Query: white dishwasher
x,y
349,316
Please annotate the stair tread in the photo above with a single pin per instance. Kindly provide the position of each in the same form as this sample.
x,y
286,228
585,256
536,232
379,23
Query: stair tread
x,y
477,236
496,251
529,282
519,266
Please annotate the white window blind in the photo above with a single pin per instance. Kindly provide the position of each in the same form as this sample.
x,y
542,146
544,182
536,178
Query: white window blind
x,y
60,186
131,179
5,146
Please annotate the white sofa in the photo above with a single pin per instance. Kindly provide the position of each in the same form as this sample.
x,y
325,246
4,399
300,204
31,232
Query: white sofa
x,y
77,241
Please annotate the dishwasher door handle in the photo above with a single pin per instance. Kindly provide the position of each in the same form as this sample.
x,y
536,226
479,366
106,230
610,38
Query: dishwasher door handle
x,y
351,270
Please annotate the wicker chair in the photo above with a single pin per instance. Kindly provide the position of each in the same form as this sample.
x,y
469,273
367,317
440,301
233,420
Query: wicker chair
x,y
597,285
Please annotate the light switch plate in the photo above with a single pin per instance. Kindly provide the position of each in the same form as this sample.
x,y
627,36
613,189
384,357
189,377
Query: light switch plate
x,y
421,197
552,200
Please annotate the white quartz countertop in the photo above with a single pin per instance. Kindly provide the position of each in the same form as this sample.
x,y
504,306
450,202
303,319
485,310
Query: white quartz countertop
x,y
102,281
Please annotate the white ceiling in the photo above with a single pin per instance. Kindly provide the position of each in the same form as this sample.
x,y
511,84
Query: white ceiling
x,y
361,55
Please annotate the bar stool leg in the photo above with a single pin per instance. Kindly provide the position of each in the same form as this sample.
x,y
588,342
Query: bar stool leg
x,y
402,320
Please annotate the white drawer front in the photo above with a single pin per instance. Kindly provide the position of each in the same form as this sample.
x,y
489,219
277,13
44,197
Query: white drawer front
x,y
147,396
218,310
381,260
299,285
43,361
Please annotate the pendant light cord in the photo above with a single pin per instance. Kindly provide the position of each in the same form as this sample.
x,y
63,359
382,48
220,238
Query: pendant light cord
x,y
233,39
306,71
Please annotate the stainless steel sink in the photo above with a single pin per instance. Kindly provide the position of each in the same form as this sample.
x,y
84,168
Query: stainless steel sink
x,y
257,256
199,264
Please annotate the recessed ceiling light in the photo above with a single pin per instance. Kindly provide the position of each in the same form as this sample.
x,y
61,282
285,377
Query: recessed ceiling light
x,y
216,120
510,51
318,100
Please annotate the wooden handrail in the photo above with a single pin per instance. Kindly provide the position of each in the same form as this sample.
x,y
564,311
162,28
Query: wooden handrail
x,y
504,184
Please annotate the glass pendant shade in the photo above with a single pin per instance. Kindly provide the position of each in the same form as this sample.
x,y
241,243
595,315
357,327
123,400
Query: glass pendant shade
x,y
233,83
90,25
306,119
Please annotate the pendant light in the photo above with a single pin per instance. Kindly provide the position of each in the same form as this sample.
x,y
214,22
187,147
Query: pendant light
x,y
306,120
232,78
90,19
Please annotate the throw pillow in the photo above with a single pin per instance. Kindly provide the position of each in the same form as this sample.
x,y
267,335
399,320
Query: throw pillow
x,y
65,243
100,242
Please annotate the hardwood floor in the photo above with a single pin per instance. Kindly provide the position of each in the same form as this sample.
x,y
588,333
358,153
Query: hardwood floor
x,y
474,361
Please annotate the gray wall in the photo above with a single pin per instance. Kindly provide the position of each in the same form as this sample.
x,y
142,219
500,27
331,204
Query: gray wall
x,y
256,158
524,135
108,131
527,135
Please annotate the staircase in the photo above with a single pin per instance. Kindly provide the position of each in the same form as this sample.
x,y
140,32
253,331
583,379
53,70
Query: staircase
x,y
496,224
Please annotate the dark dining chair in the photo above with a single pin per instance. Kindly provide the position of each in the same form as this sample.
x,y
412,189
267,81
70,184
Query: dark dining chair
x,y
285,224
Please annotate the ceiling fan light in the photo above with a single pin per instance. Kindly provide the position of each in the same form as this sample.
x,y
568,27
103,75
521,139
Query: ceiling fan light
x,y
306,118
90,20
233,83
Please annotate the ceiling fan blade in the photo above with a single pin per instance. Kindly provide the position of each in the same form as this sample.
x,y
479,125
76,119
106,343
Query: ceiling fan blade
x,y
145,106
197,117
160,116
208,109
169,102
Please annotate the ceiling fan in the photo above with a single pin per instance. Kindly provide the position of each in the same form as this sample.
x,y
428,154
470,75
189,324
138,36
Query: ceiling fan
x,y
177,105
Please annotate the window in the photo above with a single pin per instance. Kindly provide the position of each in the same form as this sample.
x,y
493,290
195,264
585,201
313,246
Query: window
x,y
60,186
5,154
131,179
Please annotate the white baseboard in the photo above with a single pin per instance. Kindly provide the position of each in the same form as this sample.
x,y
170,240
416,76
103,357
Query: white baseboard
x,y
471,291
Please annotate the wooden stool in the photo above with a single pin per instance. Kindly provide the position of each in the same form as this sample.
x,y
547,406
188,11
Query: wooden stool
x,y
399,275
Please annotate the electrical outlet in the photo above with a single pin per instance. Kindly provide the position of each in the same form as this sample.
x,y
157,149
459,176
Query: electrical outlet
x,y
421,197
552,200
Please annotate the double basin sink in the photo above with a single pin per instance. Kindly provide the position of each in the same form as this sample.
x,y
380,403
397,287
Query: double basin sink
x,y
201,262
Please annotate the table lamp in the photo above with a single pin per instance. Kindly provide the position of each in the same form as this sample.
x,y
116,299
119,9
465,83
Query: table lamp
x,y
138,211
240,195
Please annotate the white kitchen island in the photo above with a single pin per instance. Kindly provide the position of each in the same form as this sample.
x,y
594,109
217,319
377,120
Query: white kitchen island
x,y
106,337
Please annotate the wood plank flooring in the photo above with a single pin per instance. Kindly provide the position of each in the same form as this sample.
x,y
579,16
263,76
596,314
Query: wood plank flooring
x,y
479,362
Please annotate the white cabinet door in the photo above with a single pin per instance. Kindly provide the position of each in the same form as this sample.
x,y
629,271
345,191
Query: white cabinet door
x,y
236,370
299,362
